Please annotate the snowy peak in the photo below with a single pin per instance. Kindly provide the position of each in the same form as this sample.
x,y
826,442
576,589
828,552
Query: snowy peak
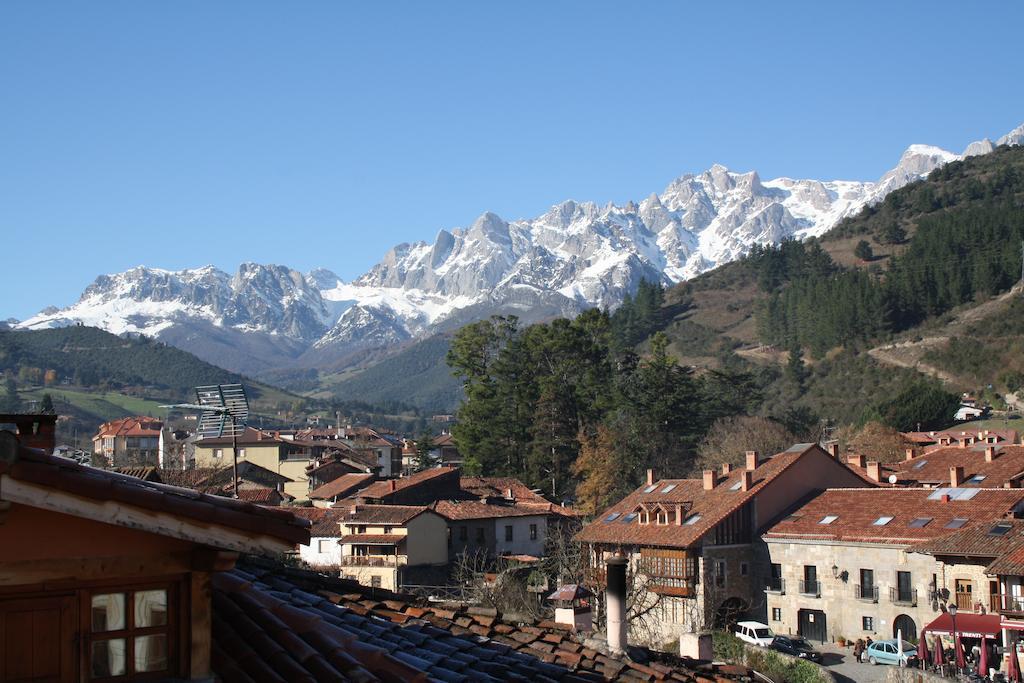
x,y
573,256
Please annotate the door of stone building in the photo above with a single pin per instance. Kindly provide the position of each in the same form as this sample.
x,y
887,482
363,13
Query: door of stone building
x,y
37,640
812,624
905,625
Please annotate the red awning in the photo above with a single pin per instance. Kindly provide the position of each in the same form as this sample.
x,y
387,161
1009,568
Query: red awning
x,y
967,625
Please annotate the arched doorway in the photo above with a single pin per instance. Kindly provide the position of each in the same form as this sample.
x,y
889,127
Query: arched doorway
x,y
729,612
906,625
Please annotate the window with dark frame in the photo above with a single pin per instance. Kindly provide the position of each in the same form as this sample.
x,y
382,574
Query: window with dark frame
x,y
508,533
776,614
533,532
867,623
131,632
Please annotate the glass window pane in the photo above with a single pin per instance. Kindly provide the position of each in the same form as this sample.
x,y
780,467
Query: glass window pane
x,y
151,653
150,608
108,612
108,658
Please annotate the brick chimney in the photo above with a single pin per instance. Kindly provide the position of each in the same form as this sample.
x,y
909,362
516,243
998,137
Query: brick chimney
x,y
875,471
615,599
392,485
679,514
990,453
858,461
753,460
710,479
911,454
747,481
833,450
956,476
650,477
726,469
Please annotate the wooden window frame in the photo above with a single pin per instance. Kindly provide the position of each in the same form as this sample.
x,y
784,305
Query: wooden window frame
x,y
173,629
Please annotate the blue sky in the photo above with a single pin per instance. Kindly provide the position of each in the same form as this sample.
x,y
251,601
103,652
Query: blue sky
x,y
181,133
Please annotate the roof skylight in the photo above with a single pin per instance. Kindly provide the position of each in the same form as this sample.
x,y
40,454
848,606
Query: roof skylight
x,y
919,522
956,522
650,488
828,519
921,464
976,479
629,518
736,486
883,520
668,489
692,520
1000,529
612,517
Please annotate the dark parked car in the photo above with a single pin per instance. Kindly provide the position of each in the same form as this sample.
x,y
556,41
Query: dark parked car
x,y
796,647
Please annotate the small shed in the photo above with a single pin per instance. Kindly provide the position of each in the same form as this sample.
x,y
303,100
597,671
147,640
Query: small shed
x,y
572,607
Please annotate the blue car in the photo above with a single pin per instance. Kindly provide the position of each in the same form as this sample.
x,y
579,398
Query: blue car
x,y
889,652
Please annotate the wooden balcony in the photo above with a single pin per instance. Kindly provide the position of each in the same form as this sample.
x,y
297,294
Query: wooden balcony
x,y
675,587
1004,603
372,560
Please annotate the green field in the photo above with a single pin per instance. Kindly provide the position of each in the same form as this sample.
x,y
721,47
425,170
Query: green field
x,y
996,423
105,405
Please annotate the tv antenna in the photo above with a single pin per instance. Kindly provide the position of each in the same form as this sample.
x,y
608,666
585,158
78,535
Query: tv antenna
x,y
224,412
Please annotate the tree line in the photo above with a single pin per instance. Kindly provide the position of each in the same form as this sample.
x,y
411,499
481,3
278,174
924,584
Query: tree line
x,y
538,397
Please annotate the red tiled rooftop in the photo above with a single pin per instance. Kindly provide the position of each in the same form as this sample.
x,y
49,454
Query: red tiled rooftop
x,y
382,489
374,539
933,466
858,511
383,514
473,509
341,487
130,426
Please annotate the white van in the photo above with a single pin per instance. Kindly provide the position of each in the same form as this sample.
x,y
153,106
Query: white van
x,y
755,633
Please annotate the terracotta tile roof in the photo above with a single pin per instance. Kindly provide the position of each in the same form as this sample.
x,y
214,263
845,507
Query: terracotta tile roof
x,y
249,437
374,539
326,522
976,540
1001,436
130,426
273,623
616,526
216,479
383,514
858,513
932,467
383,489
64,475
473,509
342,486
497,487
259,495
1009,564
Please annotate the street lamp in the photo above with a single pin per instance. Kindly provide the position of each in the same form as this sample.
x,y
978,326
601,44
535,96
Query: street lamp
x,y
956,646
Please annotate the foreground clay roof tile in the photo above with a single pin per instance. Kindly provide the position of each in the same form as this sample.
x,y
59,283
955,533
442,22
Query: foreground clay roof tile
x,y
36,467
273,623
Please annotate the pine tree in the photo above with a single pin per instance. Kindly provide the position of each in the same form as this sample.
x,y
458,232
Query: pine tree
x,y
863,251
424,445
46,405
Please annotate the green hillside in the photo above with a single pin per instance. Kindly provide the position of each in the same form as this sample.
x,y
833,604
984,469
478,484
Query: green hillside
x,y
417,376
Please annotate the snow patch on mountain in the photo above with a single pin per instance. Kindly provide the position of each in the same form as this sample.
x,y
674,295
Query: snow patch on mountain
x,y
575,255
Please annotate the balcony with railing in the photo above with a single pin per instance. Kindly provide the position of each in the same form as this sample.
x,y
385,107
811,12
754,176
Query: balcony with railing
x,y
372,560
1007,604
903,596
776,585
810,589
865,593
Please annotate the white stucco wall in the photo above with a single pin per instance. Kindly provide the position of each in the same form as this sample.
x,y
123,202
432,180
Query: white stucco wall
x,y
311,555
521,543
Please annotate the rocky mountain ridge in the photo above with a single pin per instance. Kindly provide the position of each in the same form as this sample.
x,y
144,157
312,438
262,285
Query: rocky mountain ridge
x,y
574,256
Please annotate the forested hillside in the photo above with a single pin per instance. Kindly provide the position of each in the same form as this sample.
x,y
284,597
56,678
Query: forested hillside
x,y
788,333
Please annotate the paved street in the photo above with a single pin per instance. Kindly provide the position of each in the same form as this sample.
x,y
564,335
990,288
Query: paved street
x,y
840,662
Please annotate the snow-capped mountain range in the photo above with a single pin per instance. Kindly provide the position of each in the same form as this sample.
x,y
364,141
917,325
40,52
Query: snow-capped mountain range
x,y
575,256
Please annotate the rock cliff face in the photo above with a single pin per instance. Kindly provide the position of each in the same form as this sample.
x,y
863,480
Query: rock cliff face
x,y
576,255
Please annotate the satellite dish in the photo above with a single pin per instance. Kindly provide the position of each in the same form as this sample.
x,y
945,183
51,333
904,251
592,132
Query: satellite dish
x,y
893,479
224,411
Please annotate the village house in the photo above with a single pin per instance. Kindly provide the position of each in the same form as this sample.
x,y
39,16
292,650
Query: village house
x,y
129,441
286,457
955,436
696,544
845,562
108,577
384,545
323,552
255,483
